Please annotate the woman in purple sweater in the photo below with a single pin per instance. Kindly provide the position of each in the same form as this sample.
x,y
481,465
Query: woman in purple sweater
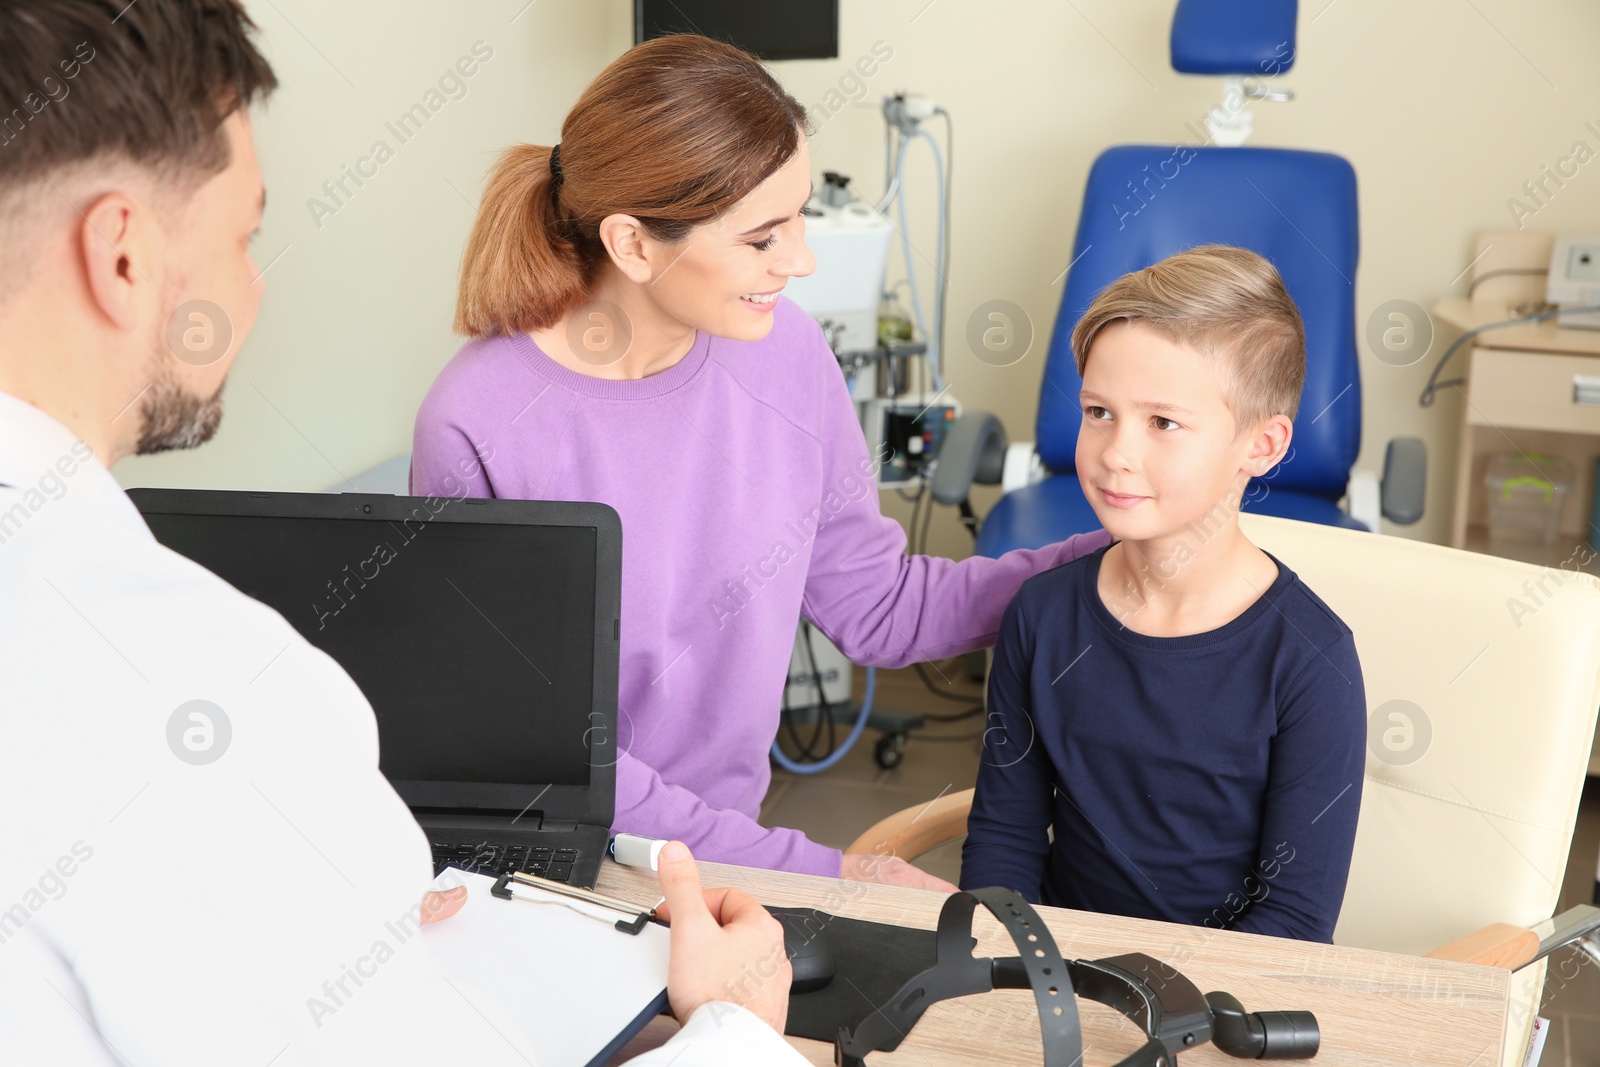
x,y
630,346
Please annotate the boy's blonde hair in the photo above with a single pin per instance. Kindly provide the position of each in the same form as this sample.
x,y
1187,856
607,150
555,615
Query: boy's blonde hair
x,y
1226,303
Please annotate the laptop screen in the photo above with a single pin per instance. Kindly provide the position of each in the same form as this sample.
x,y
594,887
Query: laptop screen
x,y
473,641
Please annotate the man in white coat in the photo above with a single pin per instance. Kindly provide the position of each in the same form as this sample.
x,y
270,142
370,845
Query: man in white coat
x,y
198,844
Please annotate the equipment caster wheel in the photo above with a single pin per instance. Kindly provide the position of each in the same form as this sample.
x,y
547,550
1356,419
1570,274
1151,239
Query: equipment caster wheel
x,y
890,750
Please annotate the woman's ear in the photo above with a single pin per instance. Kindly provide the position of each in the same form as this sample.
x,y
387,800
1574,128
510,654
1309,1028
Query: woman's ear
x,y
624,237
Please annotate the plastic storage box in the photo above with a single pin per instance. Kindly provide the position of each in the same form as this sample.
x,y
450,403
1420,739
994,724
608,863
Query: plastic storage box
x,y
1526,494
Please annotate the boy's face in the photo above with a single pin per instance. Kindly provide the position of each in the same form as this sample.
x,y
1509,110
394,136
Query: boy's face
x,y
1157,449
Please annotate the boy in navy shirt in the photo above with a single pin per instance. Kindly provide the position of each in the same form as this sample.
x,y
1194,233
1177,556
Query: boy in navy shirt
x,y
1178,708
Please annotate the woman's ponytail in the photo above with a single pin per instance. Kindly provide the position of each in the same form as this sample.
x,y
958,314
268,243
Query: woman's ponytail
x,y
520,271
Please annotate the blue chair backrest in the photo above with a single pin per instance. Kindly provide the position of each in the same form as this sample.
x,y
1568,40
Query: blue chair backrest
x,y
1143,203
1233,36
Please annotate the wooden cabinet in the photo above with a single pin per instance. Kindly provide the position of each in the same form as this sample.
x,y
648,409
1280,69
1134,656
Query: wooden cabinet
x,y
1522,396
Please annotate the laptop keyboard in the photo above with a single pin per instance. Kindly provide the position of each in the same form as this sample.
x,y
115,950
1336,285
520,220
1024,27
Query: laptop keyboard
x,y
552,863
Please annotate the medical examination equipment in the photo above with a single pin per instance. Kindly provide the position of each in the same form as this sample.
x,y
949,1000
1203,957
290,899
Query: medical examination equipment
x,y
818,672
893,974
905,424
1585,388
1573,284
851,243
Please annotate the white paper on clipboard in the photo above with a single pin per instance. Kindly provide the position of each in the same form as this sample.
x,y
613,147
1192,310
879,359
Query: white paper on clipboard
x,y
578,987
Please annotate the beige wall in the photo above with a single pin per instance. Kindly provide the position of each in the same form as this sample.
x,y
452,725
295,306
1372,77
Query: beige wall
x,y
356,319
1445,109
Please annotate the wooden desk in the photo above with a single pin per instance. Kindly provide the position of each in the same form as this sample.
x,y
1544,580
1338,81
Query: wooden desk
x,y
1373,1007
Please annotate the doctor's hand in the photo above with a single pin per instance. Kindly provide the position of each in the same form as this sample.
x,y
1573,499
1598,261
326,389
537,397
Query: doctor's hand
x,y
890,870
436,907
725,946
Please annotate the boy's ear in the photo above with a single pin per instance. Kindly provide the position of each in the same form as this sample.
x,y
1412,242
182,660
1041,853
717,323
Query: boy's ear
x,y
1269,445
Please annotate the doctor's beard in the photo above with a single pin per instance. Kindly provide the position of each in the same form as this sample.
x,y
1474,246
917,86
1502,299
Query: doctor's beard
x,y
173,417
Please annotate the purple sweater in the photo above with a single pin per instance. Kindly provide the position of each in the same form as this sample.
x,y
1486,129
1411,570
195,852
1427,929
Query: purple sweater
x,y
747,499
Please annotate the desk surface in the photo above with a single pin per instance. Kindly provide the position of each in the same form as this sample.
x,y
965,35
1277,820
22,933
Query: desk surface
x,y
1545,336
1373,1007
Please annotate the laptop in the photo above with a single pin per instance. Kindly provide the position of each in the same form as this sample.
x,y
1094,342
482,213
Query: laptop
x,y
483,632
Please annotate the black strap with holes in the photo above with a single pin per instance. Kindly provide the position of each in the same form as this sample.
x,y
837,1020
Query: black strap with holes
x,y
887,976
957,973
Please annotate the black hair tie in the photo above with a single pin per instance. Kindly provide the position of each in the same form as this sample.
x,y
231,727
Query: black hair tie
x,y
555,165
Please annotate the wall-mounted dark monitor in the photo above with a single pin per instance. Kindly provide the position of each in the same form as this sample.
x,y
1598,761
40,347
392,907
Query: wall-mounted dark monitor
x,y
772,29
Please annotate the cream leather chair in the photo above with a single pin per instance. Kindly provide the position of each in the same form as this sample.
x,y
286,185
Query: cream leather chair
x,y
1468,808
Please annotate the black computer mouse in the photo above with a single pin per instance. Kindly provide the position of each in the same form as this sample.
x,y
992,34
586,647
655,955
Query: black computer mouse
x,y
805,942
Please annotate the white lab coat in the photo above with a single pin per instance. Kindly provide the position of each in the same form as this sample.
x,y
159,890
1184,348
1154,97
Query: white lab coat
x,y
169,911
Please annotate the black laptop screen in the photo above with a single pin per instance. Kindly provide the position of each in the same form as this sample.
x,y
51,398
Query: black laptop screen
x,y
472,641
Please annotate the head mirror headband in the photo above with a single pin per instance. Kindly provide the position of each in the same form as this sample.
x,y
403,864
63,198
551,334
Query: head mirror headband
x,y
1166,1005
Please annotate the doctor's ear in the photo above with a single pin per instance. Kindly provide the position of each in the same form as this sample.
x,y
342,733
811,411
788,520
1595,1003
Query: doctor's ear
x,y
112,240
628,244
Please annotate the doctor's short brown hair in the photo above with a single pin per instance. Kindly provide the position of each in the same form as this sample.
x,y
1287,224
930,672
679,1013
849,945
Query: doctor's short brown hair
x,y
146,83
1229,305
106,83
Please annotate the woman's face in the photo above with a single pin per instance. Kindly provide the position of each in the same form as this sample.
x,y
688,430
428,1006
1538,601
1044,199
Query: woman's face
x,y
708,279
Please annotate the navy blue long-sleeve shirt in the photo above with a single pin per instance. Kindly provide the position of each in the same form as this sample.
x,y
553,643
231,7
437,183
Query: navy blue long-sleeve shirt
x,y
1212,779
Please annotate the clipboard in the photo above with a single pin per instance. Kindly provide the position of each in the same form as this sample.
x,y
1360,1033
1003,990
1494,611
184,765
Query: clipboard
x,y
520,885
578,989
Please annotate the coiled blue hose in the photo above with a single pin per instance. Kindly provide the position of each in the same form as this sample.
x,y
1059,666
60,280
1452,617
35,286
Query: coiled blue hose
x,y
850,739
